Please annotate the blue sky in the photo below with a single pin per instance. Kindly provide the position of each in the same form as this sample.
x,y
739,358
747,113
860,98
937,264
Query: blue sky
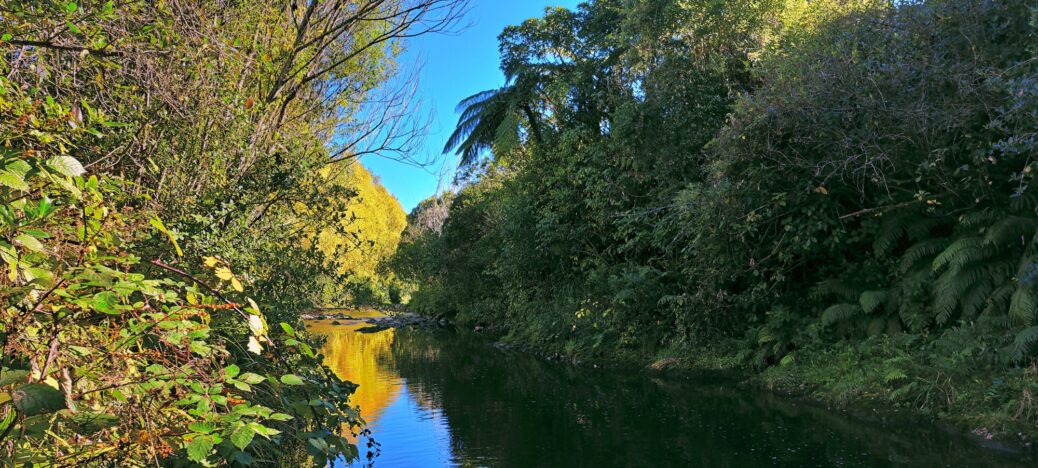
x,y
453,67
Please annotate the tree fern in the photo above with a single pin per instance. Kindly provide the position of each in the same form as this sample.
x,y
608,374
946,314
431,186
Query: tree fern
x,y
965,247
1010,230
998,302
840,313
872,301
1021,346
1022,306
835,288
921,251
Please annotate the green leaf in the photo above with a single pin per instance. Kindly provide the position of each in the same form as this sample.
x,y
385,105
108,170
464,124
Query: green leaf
x,y
29,242
36,398
105,302
199,448
281,417
242,437
231,371
13,376
8,420
13,181
202,427
251,378
291,379
67,165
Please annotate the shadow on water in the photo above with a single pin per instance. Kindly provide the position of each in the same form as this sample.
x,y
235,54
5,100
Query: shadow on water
x,y
449,399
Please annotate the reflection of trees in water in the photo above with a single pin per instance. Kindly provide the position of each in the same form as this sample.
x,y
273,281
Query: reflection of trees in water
x,y
520,411
364,359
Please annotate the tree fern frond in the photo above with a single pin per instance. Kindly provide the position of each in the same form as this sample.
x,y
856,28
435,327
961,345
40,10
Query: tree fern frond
x,y
973,300
922,251
997,303
977,218
839,313
921,227
1021,346
1024,202
1022,306
1009,231
891,232
872,301
835,288
965,245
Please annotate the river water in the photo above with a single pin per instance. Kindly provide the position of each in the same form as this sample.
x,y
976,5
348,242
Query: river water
x,y
439,398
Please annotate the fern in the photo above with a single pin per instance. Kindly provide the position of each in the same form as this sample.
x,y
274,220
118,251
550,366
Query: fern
x,y
921,251
1022,344
871,301
1010,230
973,300
1022,306
999,300
890,233
840,313
835,288
958,252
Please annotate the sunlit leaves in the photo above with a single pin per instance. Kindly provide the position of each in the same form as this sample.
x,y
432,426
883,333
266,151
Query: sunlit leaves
x,y
33,399
66,165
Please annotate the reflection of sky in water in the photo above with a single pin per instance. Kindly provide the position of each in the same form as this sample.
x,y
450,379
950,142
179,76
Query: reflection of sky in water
x,y
406,429
409,431
449,399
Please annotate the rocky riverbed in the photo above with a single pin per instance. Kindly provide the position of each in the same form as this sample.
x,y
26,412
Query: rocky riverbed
x,y
384,321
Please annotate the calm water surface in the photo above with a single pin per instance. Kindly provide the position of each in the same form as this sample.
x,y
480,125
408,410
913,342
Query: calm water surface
x,y
448,399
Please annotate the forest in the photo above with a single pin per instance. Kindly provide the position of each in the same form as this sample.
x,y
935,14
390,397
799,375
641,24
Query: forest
x,y
831,196
178,181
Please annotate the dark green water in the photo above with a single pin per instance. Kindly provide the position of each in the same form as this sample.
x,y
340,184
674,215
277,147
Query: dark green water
x,y
447,399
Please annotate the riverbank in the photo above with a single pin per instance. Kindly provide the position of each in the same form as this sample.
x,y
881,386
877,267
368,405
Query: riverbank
x,y
880,379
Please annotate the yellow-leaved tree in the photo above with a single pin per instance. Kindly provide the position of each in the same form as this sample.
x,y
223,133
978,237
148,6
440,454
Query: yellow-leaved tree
x,y
362,230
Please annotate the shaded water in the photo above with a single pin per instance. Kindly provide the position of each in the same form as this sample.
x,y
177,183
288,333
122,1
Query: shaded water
x,y
448,399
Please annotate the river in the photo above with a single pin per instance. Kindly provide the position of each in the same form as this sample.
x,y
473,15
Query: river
x,y
444,398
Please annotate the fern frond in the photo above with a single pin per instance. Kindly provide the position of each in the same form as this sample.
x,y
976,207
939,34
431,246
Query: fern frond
x,y
976,219
1023,305
921,251
835,288
1022,344
840,313
999,300
890,233
963,246
973,300
1009,231
921,228
871,301
1024,202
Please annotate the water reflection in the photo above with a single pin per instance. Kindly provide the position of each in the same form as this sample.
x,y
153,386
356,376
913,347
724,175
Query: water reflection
x,y
447,399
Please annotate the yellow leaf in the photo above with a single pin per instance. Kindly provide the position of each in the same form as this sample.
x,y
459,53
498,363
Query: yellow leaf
x,y
236,284
210,261
254,345
224,273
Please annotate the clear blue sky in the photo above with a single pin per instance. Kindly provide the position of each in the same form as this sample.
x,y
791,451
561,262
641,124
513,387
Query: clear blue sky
x,y
454,66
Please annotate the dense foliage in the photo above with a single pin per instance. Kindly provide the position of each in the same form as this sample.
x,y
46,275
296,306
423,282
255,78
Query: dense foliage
x,y
164,167
837,191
